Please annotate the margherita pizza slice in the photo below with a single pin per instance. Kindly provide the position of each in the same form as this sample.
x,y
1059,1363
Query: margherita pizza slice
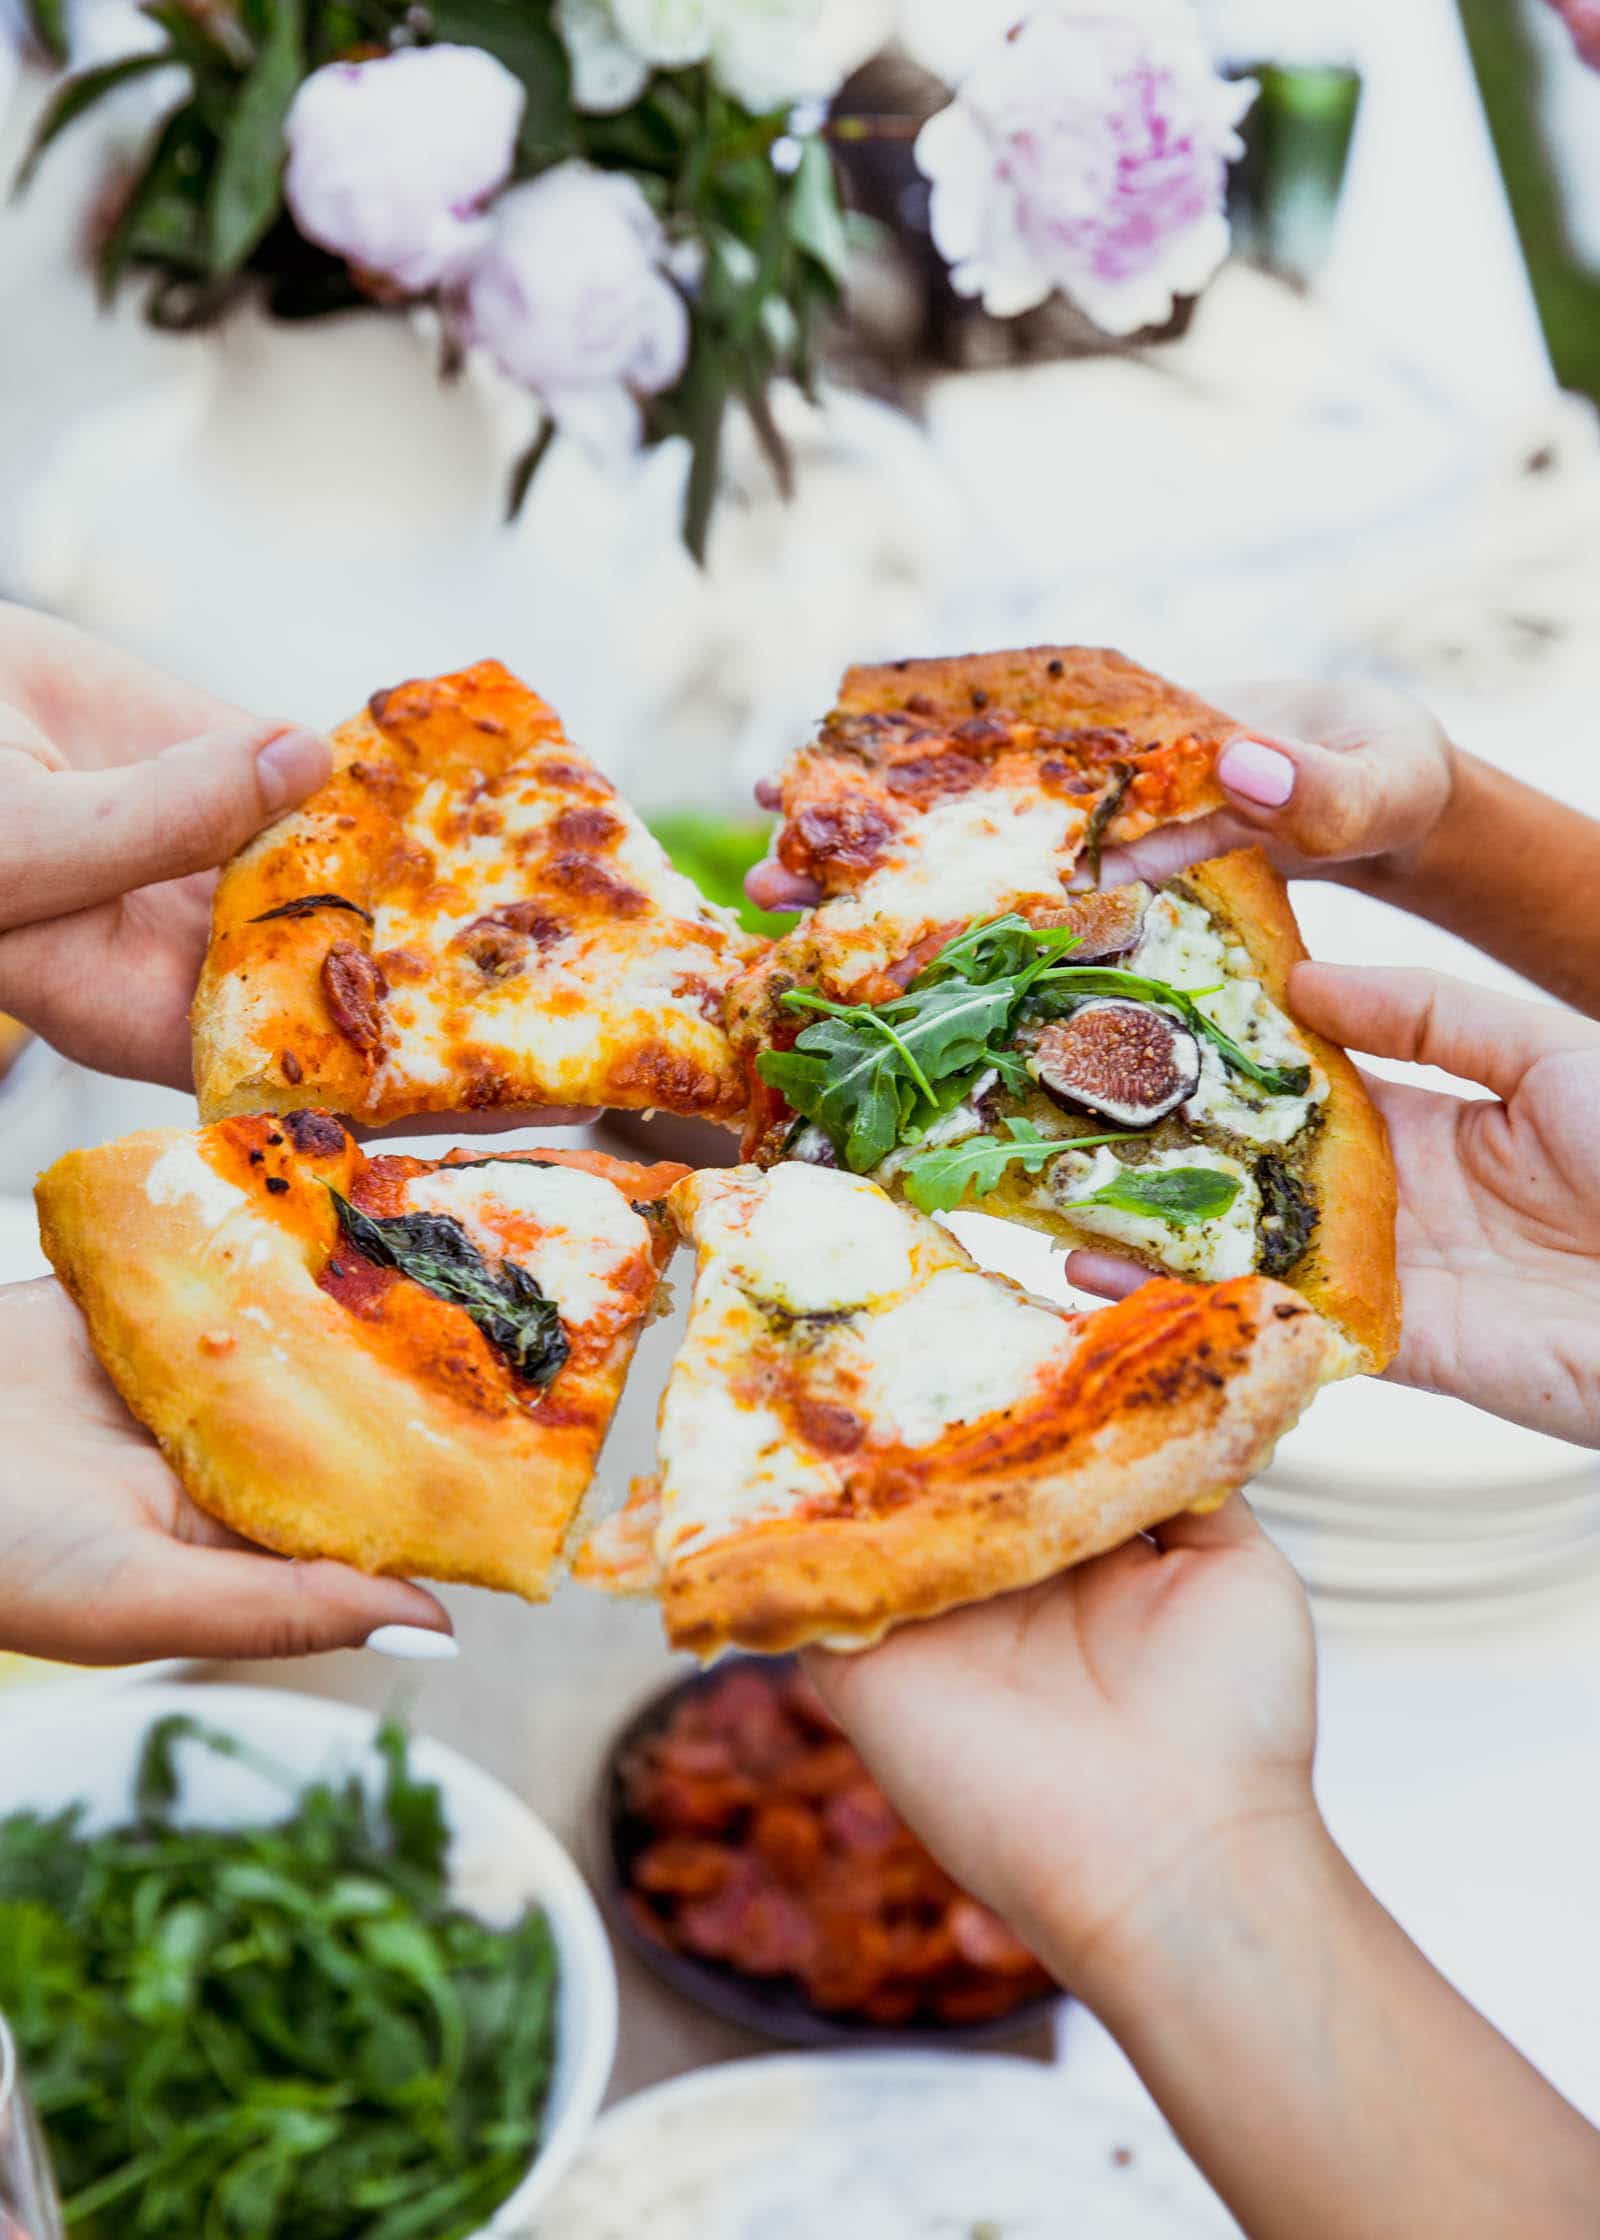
x,y
465,916
406,1364
863,1428
1117,1068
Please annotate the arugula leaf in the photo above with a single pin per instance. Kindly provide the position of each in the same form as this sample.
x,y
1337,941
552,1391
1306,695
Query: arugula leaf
x,y
851,1083
276,2032
508,1306
1178,1196
938,1180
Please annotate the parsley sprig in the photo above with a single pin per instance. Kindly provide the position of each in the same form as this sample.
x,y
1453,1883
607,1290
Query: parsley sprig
x,y
876,1076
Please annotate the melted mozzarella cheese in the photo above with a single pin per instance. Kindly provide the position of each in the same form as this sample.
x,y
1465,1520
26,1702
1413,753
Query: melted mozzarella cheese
x,y
1182,945
961,1347
1212,1250
813,1241
972,857
183,1171
574,1233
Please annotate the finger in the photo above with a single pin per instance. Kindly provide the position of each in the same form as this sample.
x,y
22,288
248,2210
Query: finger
x,y
1103,1273
1330,806
769,793
73,838
171,1599
1431,1019
771,887
1160,855
1232,1526
490,1122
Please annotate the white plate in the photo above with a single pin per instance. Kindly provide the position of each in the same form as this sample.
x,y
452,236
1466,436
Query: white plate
x,y
868,2146
53,1753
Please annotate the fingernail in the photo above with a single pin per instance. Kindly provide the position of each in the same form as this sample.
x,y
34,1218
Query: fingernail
x,y
414,1644
1256,773
290,766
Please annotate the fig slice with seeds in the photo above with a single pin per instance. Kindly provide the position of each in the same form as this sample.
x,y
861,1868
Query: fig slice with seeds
x,y
1125,1061
1106,920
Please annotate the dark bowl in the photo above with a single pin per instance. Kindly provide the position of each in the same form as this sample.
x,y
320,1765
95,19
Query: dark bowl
x,y
772,2006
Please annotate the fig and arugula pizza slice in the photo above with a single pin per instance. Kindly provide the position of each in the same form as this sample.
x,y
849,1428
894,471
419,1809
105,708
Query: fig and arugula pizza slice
x,y
466,917
409,1365
863,1428
1118,1069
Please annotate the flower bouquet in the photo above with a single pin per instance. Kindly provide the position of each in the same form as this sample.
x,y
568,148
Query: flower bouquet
x,y
632,207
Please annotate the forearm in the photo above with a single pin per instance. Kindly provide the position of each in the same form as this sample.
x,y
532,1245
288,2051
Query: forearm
x,y
1327,2080
1512,871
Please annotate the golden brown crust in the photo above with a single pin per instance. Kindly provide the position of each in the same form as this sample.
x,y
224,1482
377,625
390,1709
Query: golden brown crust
x,y
404,980
1190,1391
1349,1274
280,1411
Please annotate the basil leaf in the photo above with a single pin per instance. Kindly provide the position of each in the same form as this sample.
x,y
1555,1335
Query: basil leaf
x,y
1288,1217
1178,1196
306,905
938,1180
508,1306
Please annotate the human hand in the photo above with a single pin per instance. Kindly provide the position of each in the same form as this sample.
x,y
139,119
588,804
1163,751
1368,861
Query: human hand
x,y
1333,775
1499,1223
1083,1755
121,791
103,1557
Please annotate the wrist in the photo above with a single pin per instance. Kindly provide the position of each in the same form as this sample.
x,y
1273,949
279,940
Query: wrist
x,y
1186,1918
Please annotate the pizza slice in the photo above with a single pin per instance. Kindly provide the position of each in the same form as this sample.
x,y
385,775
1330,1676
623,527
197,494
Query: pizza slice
x,y
406,1364
1117,1068
466,916
863,1428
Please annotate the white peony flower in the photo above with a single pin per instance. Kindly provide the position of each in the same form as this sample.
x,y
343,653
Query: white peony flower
x,y
570,299
392,161
607,74
1087,150
668,34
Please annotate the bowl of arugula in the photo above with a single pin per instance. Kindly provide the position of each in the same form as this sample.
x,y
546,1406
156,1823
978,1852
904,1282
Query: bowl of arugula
x,y
274,1970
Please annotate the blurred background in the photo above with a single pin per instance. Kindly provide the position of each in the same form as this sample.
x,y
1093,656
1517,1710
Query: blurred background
x,y
1369,448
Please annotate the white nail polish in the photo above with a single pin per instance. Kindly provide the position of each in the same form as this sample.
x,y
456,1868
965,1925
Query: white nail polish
x,y
415,1644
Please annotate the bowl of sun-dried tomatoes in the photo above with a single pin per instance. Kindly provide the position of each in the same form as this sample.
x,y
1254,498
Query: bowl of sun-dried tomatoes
x,y
757,1867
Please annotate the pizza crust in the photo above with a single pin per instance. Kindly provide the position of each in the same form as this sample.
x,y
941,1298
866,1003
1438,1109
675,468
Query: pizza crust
x,y
1171,1428
273,1414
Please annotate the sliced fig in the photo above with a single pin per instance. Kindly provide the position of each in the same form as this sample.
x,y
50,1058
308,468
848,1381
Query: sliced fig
x,y
1126,1061
1107,921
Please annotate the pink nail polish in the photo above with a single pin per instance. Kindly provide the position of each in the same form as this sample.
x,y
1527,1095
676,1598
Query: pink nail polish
x,y
1256,772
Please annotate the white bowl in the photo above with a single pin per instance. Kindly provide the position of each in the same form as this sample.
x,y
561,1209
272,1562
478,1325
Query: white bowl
x,y
56,1753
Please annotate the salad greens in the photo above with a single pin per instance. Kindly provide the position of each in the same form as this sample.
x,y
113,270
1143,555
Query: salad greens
x,y
873,1077
1179,1196
506,1303
272,2033
938,1180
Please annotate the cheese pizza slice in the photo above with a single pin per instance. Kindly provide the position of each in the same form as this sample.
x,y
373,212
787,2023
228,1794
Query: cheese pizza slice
x,y
466,916
862,1427
406,1364
1118,1068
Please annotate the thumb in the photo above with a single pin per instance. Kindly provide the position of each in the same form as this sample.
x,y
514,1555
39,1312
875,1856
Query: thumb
x,y
1329,806
1430,1019
77,837
174,1599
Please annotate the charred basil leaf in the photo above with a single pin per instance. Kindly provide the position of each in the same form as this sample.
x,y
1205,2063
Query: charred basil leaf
x,y
434,1250
1179,1196
1288,1217
1103,812
305,905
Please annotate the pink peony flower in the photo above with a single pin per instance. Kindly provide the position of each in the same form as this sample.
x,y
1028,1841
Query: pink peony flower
x,y
1087,150
392,161
570,298
1583,21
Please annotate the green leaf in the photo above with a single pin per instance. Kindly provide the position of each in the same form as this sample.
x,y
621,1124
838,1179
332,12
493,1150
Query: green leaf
x,y
938,1180
47,19
508,1306
76,96
520,35
852,1084
816,216
1178,1196
1288,1217
246,186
